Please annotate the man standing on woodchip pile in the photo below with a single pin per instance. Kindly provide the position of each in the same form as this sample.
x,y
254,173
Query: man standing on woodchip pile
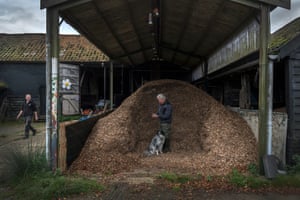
x,y
28,109
165,116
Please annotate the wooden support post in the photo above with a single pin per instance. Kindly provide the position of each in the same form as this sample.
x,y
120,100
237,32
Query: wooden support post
x,y
104,82
245,92
206,75
131,80
111,84
62,148
263,82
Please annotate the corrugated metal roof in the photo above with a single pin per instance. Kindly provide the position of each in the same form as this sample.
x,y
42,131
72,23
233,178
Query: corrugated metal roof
x,y
32,48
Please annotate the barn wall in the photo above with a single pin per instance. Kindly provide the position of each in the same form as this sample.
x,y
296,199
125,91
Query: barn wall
x,y
293,105
241,45
279,130
23,78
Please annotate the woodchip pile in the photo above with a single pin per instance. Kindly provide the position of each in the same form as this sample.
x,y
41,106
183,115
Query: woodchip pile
x,y
206,137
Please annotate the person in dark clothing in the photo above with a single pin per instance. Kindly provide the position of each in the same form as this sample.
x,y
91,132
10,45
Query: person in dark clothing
x,y
164,115
28,110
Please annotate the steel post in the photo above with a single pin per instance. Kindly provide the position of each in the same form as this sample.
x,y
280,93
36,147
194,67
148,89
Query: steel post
x,y
52,78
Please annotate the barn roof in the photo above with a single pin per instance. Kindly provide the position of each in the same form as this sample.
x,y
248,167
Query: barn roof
x,y
285,34
31,48
135,32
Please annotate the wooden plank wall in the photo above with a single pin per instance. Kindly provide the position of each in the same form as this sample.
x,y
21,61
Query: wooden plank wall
x,y
239,46
293,105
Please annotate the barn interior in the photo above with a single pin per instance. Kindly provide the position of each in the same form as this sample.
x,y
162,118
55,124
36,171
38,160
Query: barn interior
x,y
171,39
155,39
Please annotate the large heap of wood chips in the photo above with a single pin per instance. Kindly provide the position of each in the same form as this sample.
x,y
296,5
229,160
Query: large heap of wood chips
x,y
206,137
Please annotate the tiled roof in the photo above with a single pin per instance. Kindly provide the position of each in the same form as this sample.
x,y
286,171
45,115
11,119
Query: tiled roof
x,y
32,48
285,34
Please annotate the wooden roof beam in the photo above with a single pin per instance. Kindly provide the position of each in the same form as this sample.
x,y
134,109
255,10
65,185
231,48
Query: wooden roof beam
x,y
256,4
207,30
191,7
135,29
113,32
190,54
249,3
133,52
61,4
281,3
50,3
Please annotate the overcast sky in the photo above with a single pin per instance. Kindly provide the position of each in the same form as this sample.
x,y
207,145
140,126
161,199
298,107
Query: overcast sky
x,y
25,16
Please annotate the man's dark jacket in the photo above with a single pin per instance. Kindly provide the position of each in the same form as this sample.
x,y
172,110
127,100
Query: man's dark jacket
x,y
165,113
28,108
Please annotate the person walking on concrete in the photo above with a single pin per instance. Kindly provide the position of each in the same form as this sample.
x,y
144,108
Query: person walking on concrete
x,y
28,110
164,115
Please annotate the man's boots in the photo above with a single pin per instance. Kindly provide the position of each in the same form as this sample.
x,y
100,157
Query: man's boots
x,y
166,147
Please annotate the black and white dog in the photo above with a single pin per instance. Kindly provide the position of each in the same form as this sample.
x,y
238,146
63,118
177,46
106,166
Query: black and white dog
x,y
156,144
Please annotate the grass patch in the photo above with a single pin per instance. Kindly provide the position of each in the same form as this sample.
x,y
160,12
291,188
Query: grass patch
x,y
174,178
50,186
287,181
20,163
253,169
209,178
295,168
27,175
240,180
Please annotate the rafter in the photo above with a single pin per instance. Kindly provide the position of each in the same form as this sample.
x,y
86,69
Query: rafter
x,y
71,4
191,7
112,32
282,3
207,30
249,3
191,54
134,27
132,52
